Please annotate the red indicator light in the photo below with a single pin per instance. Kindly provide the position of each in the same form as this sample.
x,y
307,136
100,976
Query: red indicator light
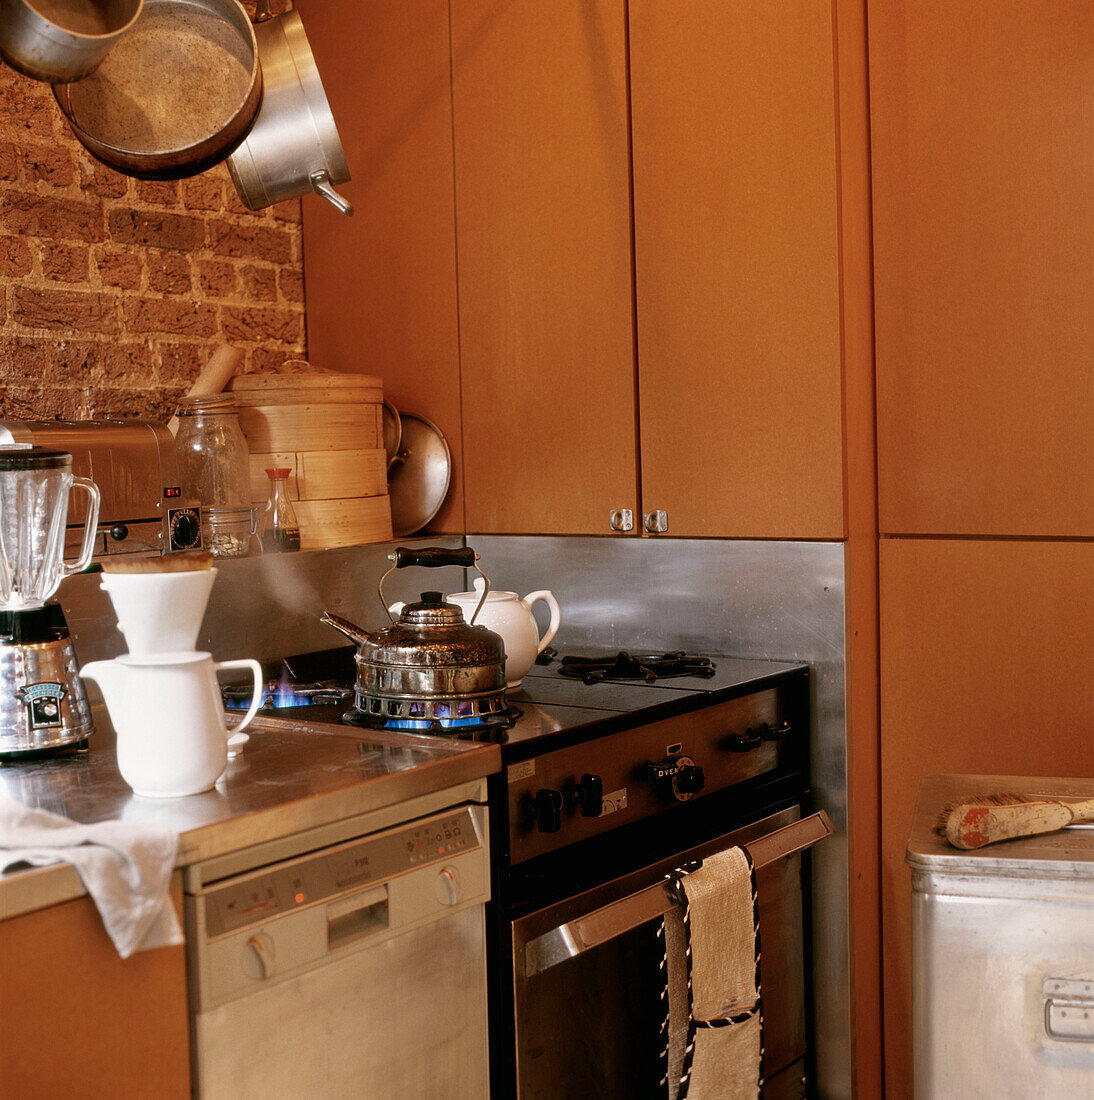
x,y
300,898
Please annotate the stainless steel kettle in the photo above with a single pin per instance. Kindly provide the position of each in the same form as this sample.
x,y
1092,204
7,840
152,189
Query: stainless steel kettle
x,y
430,667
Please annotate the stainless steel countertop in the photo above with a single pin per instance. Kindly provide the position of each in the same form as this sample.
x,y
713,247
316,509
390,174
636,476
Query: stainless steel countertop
x,y
291,777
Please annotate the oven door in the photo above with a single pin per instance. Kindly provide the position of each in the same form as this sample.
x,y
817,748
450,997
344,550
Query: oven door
x,y
588,980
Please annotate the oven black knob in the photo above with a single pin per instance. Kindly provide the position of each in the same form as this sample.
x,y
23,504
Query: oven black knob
x,y
745,742
689,779
589,795
661,775
547,810
771,731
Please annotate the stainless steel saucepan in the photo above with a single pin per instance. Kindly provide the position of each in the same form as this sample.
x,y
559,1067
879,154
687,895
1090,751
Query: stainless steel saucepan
x,y
62,40
293,147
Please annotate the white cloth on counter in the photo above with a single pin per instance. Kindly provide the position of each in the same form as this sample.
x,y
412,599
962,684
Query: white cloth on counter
x,y
125,866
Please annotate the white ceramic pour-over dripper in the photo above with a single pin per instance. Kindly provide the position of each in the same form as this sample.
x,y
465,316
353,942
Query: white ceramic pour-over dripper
x,y
35,484
159,612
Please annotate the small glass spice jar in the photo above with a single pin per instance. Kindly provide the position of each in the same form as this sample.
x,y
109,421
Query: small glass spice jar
x,y
279,529
214,470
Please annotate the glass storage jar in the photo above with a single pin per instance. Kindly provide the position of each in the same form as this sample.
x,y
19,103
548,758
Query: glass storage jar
x,y
214,470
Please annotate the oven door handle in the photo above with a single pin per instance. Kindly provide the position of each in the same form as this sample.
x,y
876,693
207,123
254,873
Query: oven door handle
x,y
604,924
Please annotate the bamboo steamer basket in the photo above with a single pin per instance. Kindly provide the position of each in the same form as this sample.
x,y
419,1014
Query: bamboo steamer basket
x,y
327,430
322,475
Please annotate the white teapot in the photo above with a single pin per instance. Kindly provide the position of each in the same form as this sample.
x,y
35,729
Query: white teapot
x,y
169,718
507,614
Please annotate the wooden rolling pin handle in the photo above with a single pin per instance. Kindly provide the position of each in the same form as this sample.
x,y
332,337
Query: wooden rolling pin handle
x,y
214,376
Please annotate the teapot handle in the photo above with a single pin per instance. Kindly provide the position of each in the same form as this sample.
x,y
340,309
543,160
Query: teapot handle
x,y
556,616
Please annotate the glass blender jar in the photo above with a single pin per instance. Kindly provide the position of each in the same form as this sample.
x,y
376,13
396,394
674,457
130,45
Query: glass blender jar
x,y
43,704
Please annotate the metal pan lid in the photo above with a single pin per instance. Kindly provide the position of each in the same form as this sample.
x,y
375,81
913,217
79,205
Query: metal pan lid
x,y
420,475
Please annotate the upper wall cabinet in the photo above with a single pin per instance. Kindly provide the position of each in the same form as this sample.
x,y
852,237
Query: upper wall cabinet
x,y
737,266
381,285
543,222
983,154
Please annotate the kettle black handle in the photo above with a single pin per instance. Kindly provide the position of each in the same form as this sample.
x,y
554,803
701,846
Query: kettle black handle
x,y
433,557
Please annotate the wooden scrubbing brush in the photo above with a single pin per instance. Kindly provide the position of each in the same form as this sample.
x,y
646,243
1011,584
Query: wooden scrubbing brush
x,y
979,820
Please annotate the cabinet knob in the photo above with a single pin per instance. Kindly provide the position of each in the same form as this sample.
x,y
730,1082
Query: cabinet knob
x,y
621,519
655,523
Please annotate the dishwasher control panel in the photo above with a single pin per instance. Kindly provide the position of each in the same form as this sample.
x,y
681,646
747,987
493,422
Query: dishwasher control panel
x,y
268,894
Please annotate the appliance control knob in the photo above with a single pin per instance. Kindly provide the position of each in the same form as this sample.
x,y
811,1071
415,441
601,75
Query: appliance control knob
x,y
119,532
772,731
689,778
547,810
258,959
589,795
448,886
745,742
662,776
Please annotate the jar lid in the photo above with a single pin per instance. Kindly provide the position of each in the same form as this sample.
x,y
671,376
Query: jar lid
x,y
206,402
278,473
34,458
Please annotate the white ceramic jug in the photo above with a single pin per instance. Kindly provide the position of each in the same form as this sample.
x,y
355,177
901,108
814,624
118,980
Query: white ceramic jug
x,y
168,715
507,614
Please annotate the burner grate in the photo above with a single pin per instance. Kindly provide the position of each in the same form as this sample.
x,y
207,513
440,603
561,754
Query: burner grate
x,y
624,666
281,694
457,715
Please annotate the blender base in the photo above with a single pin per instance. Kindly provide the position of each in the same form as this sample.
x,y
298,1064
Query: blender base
x,y
43,704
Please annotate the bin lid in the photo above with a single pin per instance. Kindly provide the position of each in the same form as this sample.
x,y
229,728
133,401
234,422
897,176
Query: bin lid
x,y
1068,853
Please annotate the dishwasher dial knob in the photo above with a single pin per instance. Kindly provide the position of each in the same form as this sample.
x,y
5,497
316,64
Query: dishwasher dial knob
x,y
689,778
588,795
258,958
547,810
448,886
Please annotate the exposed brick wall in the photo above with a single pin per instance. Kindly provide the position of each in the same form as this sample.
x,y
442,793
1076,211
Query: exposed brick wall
x,y
114,291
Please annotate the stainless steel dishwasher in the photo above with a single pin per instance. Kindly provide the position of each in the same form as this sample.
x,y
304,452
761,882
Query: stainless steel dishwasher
x,y
352,969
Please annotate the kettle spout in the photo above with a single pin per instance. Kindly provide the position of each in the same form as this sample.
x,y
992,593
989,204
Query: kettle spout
x,y
344,626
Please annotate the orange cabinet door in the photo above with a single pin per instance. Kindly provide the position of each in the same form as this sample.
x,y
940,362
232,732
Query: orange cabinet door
x,y
80,1021
737,266
986,652
543,233
984,232
380,286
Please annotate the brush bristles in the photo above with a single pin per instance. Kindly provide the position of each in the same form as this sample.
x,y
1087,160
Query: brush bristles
x,y
1001,799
